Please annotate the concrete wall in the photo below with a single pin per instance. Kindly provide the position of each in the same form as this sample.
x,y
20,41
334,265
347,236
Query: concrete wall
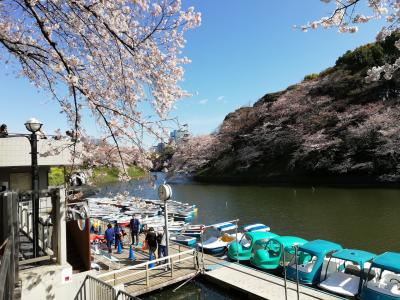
x,y
50,282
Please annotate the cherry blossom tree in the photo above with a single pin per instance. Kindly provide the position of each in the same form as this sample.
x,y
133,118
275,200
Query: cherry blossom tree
x,y
113,58
196,152
347,15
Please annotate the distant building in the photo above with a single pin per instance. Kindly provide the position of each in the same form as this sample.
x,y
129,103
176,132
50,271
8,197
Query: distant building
x,y
160,147
15,161
178,135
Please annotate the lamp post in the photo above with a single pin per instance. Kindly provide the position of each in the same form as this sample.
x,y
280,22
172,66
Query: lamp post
x,y
33,125
165,193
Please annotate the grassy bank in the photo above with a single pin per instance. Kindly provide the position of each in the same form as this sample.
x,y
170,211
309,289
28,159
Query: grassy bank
x,y
104,175
100,175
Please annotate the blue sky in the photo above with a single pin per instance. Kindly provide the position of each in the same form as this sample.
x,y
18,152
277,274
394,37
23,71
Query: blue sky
x,y
243,50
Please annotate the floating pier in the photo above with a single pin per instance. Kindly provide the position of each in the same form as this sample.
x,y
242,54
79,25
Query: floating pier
x,y
257,284
137,278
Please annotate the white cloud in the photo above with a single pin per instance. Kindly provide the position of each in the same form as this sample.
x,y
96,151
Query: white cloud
x,y
220,98
203,101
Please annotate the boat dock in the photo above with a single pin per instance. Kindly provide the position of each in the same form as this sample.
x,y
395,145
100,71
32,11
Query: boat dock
x,y
257,284
142,276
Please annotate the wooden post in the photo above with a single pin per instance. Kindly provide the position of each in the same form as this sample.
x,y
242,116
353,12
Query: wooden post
x,y
147,275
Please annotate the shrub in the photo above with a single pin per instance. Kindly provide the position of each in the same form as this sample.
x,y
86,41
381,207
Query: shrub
x,y
311,76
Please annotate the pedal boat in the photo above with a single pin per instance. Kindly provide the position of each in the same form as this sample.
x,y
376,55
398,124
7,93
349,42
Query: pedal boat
x,y
310,259
241,250
218,245
182,239
385,285
256,227
346,271
270,255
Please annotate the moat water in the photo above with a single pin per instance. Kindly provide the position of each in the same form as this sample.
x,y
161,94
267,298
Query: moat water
x,y
361,218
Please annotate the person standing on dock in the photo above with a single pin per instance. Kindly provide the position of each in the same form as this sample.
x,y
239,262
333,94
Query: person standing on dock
x,y
134,225
109,236
118,235
162,243
151,239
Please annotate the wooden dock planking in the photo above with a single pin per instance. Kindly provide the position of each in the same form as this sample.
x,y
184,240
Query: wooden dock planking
x,y
134,280
254,282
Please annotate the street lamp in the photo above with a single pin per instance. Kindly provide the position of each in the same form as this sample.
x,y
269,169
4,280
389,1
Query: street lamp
x,y
33,125
165,193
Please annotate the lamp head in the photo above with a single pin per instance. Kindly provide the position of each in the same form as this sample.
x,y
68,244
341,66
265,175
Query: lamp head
x,y
33,125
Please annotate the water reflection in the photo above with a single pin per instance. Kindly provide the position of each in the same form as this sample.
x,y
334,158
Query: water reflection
x,y
356,218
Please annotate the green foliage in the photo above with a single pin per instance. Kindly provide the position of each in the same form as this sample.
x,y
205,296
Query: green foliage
x,y
311,76
370,55
104,175
56,176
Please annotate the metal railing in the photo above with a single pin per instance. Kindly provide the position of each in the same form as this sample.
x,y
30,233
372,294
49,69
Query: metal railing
x,y
47,223
124,296
8,243
6,274
95,289
170,262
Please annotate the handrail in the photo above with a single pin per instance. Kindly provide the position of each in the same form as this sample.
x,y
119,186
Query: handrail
x,y
4,269
125,296
145,270
147,263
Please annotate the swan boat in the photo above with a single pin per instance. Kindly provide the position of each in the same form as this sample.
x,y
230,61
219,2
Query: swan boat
x,y
241,250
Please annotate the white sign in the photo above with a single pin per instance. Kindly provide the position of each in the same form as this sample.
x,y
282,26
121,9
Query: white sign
x,y
66,275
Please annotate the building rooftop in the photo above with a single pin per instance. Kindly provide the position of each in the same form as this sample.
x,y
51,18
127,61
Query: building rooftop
x,y
15,152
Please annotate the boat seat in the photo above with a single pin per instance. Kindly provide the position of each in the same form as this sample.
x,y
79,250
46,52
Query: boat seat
x,y
341,283
353,270
387,278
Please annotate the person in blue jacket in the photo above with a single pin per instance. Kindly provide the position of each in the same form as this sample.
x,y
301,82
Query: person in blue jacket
x,y
109,236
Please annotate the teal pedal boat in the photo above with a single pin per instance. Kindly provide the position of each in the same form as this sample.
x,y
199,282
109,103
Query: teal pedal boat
x,y
346,271
311,257
241,250
384,278
270,256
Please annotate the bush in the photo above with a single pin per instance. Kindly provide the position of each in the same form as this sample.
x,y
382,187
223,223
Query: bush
x,y
311,76
56,176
